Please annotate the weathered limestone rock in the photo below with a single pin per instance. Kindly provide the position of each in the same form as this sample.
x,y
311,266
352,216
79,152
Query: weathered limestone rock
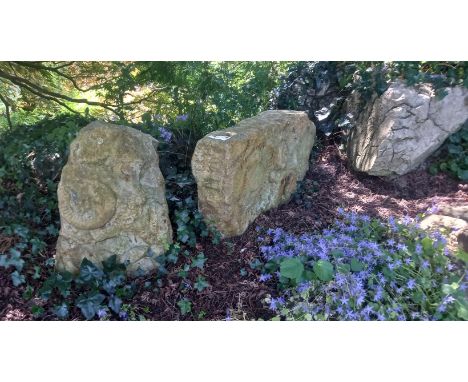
x,y
397,131
112,200
459,211
454,227
252,167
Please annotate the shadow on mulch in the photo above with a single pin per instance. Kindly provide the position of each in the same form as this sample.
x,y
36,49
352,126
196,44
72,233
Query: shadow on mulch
x,y
234,287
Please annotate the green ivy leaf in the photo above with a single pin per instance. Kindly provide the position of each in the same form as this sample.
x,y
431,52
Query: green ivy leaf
x,y
110,265
201,284
199,261
89,303
115,303
89,271
61,311
185,306
37,311
17,278
324,270
291,268
463,174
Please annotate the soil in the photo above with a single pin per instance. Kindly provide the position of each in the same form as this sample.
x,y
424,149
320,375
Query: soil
x,y
234,289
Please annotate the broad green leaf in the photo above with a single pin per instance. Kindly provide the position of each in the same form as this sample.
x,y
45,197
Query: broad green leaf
x,y
462,311
356,266
427,245
343,268
324,270
291,268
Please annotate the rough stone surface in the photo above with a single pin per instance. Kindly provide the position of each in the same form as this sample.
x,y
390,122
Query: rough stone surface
x,y
454,227
397,131
459,211
462,239
112,200
252,167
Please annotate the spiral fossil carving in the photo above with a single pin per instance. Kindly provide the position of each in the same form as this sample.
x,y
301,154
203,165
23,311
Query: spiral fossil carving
x,y
87,205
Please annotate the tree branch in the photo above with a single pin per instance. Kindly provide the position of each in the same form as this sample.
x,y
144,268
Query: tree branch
x,y
42,92
7,111
39,66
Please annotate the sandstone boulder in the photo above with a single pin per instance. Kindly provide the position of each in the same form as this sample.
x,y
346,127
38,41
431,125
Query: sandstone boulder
x,y
396,132
252,167
456,229
112,200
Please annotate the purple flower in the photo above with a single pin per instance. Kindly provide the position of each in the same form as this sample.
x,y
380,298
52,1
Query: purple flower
x,y
275,302
402,247
433,209
442,308
352,228
102,313
378,295
448,300
392,224
182,117
302,287
360,300
406,220
165,134
411,284
264,277
425,264
228,315
365,218
123,315
418,249
344,300
350,314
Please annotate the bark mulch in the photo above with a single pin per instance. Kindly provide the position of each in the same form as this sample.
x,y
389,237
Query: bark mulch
x,y
234,289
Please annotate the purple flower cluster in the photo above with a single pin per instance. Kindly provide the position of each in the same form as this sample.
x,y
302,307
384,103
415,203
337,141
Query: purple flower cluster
x,y
182,117
165,134
394,278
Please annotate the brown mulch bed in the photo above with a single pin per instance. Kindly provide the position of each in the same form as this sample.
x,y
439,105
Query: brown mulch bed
x,y
315,208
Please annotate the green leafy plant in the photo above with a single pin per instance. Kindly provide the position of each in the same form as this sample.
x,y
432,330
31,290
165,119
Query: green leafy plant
x,y
185,306
321,87
365,269
94,291
452,157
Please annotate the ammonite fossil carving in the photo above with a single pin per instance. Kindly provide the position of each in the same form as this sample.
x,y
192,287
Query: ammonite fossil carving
x,y
85,204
